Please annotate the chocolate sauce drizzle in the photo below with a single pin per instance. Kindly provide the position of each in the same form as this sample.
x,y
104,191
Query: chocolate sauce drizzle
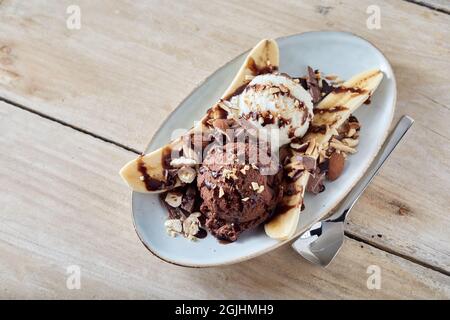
x,y
330,110
152,184
341,89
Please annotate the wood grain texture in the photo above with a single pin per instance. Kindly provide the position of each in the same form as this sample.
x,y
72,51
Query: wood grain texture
x,y
441,5
130,65
63,204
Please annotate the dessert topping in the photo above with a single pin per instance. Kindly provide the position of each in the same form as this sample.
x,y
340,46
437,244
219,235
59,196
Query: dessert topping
x,y
187,174
182,161
335,166
173,199
173,226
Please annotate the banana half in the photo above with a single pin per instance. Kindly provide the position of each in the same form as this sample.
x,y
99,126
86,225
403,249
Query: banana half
x,y
148,173
330,114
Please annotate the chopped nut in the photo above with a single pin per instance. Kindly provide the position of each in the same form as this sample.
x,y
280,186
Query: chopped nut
x,y
274,90
187,174
283,88
245,169
350,142
255,186
245,199
142,178
192,238
322,156
191,225
221,192
173,199
351,132
261,120
297,80
182,161
342,147
403,211
298,146
296,103
260,189
230,174
228,106
173,225
311,146
292,173
171,233
354,125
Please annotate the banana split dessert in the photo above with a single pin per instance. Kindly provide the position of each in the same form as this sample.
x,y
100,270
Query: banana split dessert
x,y
249,161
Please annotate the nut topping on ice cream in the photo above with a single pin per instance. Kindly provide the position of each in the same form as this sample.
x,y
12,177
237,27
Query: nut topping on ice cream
x,y
233,203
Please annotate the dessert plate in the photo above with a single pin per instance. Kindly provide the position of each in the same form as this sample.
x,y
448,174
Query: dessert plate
x,y
339,53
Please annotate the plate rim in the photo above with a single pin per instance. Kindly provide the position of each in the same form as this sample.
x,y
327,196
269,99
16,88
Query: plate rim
x,y
301,231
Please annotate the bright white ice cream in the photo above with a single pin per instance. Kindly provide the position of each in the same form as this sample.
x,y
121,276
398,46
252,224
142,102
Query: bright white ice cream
x,y
274,101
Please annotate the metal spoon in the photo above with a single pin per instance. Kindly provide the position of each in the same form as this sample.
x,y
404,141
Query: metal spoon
x,y
322,242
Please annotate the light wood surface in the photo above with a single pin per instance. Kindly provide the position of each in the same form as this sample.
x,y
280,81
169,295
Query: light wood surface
x,y
76,212
440,5
123,72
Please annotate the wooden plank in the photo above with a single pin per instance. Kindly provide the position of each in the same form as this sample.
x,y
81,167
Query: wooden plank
x,y
130,65
441,5
63,204
408,203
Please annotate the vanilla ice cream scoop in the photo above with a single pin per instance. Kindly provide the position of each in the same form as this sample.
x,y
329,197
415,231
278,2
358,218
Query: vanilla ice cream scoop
x,y
276,102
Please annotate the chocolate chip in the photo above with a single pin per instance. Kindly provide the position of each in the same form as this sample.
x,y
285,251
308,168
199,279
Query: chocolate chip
x,y
188,201
315,182
326,88
313,85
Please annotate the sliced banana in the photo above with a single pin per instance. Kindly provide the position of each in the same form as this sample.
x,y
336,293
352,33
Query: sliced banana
x,y
351,96
283,225
148,173
343,102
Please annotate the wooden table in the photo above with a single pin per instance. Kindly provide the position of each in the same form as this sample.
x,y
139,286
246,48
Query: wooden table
x,y
77,104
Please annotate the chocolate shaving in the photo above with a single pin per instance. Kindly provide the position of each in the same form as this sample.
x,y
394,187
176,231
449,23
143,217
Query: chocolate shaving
x,y
174,213
326,88
313,85
315,182
303,82
188,201
309,163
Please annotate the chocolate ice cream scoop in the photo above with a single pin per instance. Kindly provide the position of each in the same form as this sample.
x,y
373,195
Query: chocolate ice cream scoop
x,y
236,195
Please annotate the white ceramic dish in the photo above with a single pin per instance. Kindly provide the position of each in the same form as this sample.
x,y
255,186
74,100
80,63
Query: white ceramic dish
x,y
339,53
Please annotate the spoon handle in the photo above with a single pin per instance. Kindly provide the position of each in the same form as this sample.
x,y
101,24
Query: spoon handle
x,y
391,142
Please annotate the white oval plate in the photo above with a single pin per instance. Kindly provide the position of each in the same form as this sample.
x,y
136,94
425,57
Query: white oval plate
x,y
338,53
